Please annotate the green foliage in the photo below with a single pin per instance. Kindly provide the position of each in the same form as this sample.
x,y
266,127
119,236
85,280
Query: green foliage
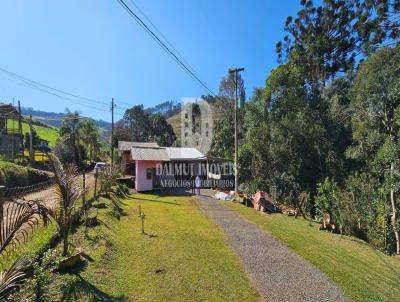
x,y
80,140
13,175
68,193
140,125
321,40
376,133
223,141
89,138
327,201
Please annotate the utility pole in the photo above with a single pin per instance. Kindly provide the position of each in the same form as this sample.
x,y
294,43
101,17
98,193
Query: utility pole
x,y
30,139
112,132
236,71
13,136
20,130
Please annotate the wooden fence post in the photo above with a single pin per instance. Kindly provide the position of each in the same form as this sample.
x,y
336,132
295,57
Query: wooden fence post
x,y
84,189
95,183
141,216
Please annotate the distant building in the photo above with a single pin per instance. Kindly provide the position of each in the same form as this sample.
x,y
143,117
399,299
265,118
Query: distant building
x,y
197,125
10,131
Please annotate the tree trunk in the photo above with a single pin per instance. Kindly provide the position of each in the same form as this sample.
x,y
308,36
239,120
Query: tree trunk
x,y
394,218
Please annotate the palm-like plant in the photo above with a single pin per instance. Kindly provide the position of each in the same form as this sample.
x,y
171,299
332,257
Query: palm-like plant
x,y
69,131
17,218
89,136
108,177
13,277
68,193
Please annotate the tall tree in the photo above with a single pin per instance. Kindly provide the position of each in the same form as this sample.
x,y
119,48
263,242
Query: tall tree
x,y
223,141
69,131
378,23
137,120
89,137
320,40
161,131
376,124
141,126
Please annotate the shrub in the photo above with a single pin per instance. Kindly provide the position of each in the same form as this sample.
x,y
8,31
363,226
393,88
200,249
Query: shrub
x,y
12,175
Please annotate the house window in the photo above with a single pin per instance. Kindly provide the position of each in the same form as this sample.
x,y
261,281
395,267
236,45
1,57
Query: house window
x,y
186,134
186,124
186,115
148,174
206,133
207,125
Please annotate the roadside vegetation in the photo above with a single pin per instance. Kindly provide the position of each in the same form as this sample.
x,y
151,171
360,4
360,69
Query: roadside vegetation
x,y
13,175
364,273
181,256
326,124
26,264
80,142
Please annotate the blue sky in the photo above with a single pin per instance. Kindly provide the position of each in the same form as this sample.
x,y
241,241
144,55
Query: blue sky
x,y
92,48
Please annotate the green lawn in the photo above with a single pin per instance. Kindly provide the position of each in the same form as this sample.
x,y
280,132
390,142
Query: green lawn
x,y
363,273
182,257
48,133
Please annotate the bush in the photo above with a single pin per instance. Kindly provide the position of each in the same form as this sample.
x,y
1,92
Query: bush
x,y
12,175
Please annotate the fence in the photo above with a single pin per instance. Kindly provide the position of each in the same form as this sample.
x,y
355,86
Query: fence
x,y
20,191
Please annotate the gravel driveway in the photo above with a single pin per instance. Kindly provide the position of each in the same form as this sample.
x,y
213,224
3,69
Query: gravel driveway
x,y
276,272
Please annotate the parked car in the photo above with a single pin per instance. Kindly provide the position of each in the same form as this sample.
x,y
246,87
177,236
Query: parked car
x,y
100,166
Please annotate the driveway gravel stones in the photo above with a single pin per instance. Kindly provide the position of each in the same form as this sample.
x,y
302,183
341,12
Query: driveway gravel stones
x,y
276,272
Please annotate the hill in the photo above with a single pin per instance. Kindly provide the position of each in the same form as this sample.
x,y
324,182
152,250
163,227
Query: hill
x,y
54,119
49,133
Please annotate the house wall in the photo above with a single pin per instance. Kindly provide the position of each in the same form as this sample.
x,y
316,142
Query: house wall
x,y
141,183
6,143
125,158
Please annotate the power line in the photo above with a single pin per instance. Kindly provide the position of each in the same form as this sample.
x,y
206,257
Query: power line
x,y
52,88
23,81
162,35
167,49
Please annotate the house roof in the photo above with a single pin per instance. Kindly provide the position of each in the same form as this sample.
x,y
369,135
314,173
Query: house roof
x,y
8,111
126,146
149,153
152,151
181,153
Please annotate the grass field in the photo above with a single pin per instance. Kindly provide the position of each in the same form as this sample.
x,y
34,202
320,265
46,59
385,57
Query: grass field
x,y
363,273
182,257
50,134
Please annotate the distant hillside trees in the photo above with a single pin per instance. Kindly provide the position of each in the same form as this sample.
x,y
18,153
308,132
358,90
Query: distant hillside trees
x,y
166,109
